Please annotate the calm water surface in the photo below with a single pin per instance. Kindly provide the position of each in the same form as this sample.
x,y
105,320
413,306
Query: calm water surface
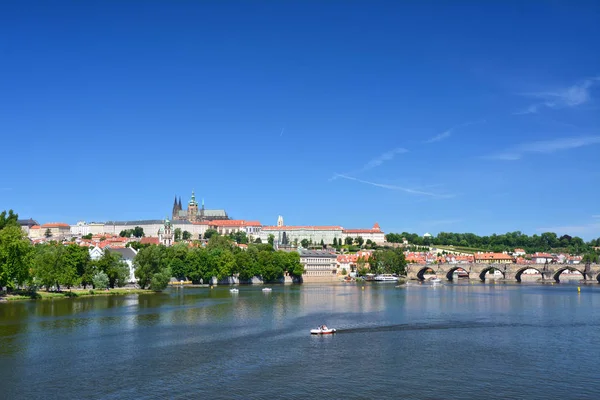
x,y
453,342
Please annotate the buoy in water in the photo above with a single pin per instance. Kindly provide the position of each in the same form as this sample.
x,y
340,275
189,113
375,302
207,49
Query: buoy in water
x,y
578,289
363,288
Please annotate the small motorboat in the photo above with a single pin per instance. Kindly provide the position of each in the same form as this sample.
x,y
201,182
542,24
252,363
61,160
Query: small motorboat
x,y
435,281
234,290
322,330
267,289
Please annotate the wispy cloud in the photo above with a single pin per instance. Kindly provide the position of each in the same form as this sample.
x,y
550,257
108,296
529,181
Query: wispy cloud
x,y
441,136
568,97
387,156
5,189
394,187
446,134
376,162
545,146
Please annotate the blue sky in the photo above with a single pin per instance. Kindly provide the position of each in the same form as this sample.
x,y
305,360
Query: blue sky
x,y
423,116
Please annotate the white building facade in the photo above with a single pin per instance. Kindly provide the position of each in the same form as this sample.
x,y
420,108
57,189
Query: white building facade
x,y
319,265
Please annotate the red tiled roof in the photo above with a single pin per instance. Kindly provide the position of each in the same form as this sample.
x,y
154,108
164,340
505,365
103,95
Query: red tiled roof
x,y
299,228
36,227
375,229
56,225
234,222
492,256
149,240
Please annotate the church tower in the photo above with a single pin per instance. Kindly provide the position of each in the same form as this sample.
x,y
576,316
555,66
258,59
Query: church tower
x,y
192,211
175,213
280,221
165,234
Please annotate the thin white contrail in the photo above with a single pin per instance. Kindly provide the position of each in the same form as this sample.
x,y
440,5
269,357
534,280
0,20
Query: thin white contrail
x,y
281,134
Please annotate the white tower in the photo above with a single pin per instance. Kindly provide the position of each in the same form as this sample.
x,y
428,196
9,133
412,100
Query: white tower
x,y
280,221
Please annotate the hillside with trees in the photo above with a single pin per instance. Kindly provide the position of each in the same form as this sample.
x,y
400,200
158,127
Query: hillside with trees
x,y
545,242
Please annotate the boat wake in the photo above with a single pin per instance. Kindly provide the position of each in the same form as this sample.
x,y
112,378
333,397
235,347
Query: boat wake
x,y
454,325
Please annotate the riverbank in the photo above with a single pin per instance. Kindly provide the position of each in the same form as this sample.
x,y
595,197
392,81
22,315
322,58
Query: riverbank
x,y
43,295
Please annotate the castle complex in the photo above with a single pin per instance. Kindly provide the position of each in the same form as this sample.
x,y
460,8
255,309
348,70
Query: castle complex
x,y
195,214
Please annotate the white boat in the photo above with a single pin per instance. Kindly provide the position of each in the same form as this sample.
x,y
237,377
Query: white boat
x,y
234,290
322,330
385,278
267,289
435,281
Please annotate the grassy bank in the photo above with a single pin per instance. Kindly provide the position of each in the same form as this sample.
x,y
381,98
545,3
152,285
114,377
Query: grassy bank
x,y
43,295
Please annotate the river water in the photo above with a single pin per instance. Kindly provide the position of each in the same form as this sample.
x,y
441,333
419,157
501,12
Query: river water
x,y
458,341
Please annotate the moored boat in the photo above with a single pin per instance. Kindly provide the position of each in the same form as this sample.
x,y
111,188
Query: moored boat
x,y
267,289
385,278
435,281
234,290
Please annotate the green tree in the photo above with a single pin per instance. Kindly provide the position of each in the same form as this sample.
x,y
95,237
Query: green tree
x,y
304,243
348,241
590,258
100,280
78,257
271,239
388,262
177,234
210,233
335,242
10,219
16,255
52,268
359,241
294,267
88,236
147,262
219,242
198,265
114,267
138,232
257,240
160,280
245,264
240,237
186,235
48,233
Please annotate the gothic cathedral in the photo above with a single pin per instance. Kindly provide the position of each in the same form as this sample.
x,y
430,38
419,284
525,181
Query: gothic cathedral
x,y
195,214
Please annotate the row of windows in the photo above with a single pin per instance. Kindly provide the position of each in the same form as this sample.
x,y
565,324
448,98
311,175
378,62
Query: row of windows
x,y
316,260
320,273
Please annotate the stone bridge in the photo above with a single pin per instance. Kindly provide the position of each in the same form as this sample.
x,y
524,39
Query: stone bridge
x,y
510,272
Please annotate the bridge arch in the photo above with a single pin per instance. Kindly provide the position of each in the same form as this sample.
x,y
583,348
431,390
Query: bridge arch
x,y
492,268
559,271
521,270
423,269
598,277
450,272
